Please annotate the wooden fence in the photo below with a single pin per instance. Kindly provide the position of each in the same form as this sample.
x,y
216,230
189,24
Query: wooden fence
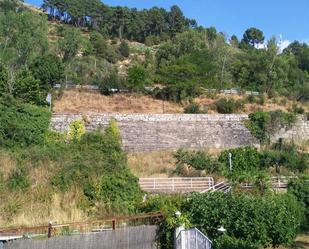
x,y
110,223
176,185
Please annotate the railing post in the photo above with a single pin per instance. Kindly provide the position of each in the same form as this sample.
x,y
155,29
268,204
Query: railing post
x,y
50,230
173,184
114,224
154,183
191,183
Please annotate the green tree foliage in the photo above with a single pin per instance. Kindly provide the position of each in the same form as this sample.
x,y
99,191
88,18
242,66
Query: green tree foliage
x,y
137,77
27,88
120,22
22,124
287,156
71,43
99,44
99,166
112,81
300,189
245,159
199,160
49,70
227,106
25,36
263,124
301,52
256,221
253,37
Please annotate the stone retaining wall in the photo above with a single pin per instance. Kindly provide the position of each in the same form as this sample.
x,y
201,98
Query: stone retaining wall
x,y
155,132
299,132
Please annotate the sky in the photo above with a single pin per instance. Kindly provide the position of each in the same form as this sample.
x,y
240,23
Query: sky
x,y
288,19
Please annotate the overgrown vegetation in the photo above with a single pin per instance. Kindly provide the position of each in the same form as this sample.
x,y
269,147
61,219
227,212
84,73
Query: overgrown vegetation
x,y
264,124
250,221
93,43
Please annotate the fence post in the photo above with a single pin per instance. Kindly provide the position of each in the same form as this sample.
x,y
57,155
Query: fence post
x,y
114,224
173,184
50,230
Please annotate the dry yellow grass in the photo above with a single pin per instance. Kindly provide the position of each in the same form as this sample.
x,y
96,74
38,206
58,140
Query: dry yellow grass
x,y
7,164
158,164
152,164
75,101
40,207
81,101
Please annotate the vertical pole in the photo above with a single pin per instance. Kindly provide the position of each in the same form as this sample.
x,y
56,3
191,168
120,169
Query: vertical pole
x,y
50,230
230,160
114,224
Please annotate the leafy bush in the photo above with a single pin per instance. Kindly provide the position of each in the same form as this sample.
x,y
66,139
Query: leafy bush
x,y
120,188
300,189
193,108
227,106
137,77
168,205
270,220
245,159
22,124
177,93
225,241
199,160
76,130
112,81
263,124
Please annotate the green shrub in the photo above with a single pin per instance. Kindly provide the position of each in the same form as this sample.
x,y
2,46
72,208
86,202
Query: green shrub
x,y
76,130
18,180
168,205
193,108
199,160
22,124
263,124
112,81
120,188
177,93
227,242
268,220
245,159
300,189
227,106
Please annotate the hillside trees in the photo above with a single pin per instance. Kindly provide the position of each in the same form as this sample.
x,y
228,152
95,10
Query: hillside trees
x,y
253,37
120,22
49,69
24,37
70,44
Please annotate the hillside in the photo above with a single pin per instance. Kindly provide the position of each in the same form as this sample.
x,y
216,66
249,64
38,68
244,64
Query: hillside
x,y
150,61
83,101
